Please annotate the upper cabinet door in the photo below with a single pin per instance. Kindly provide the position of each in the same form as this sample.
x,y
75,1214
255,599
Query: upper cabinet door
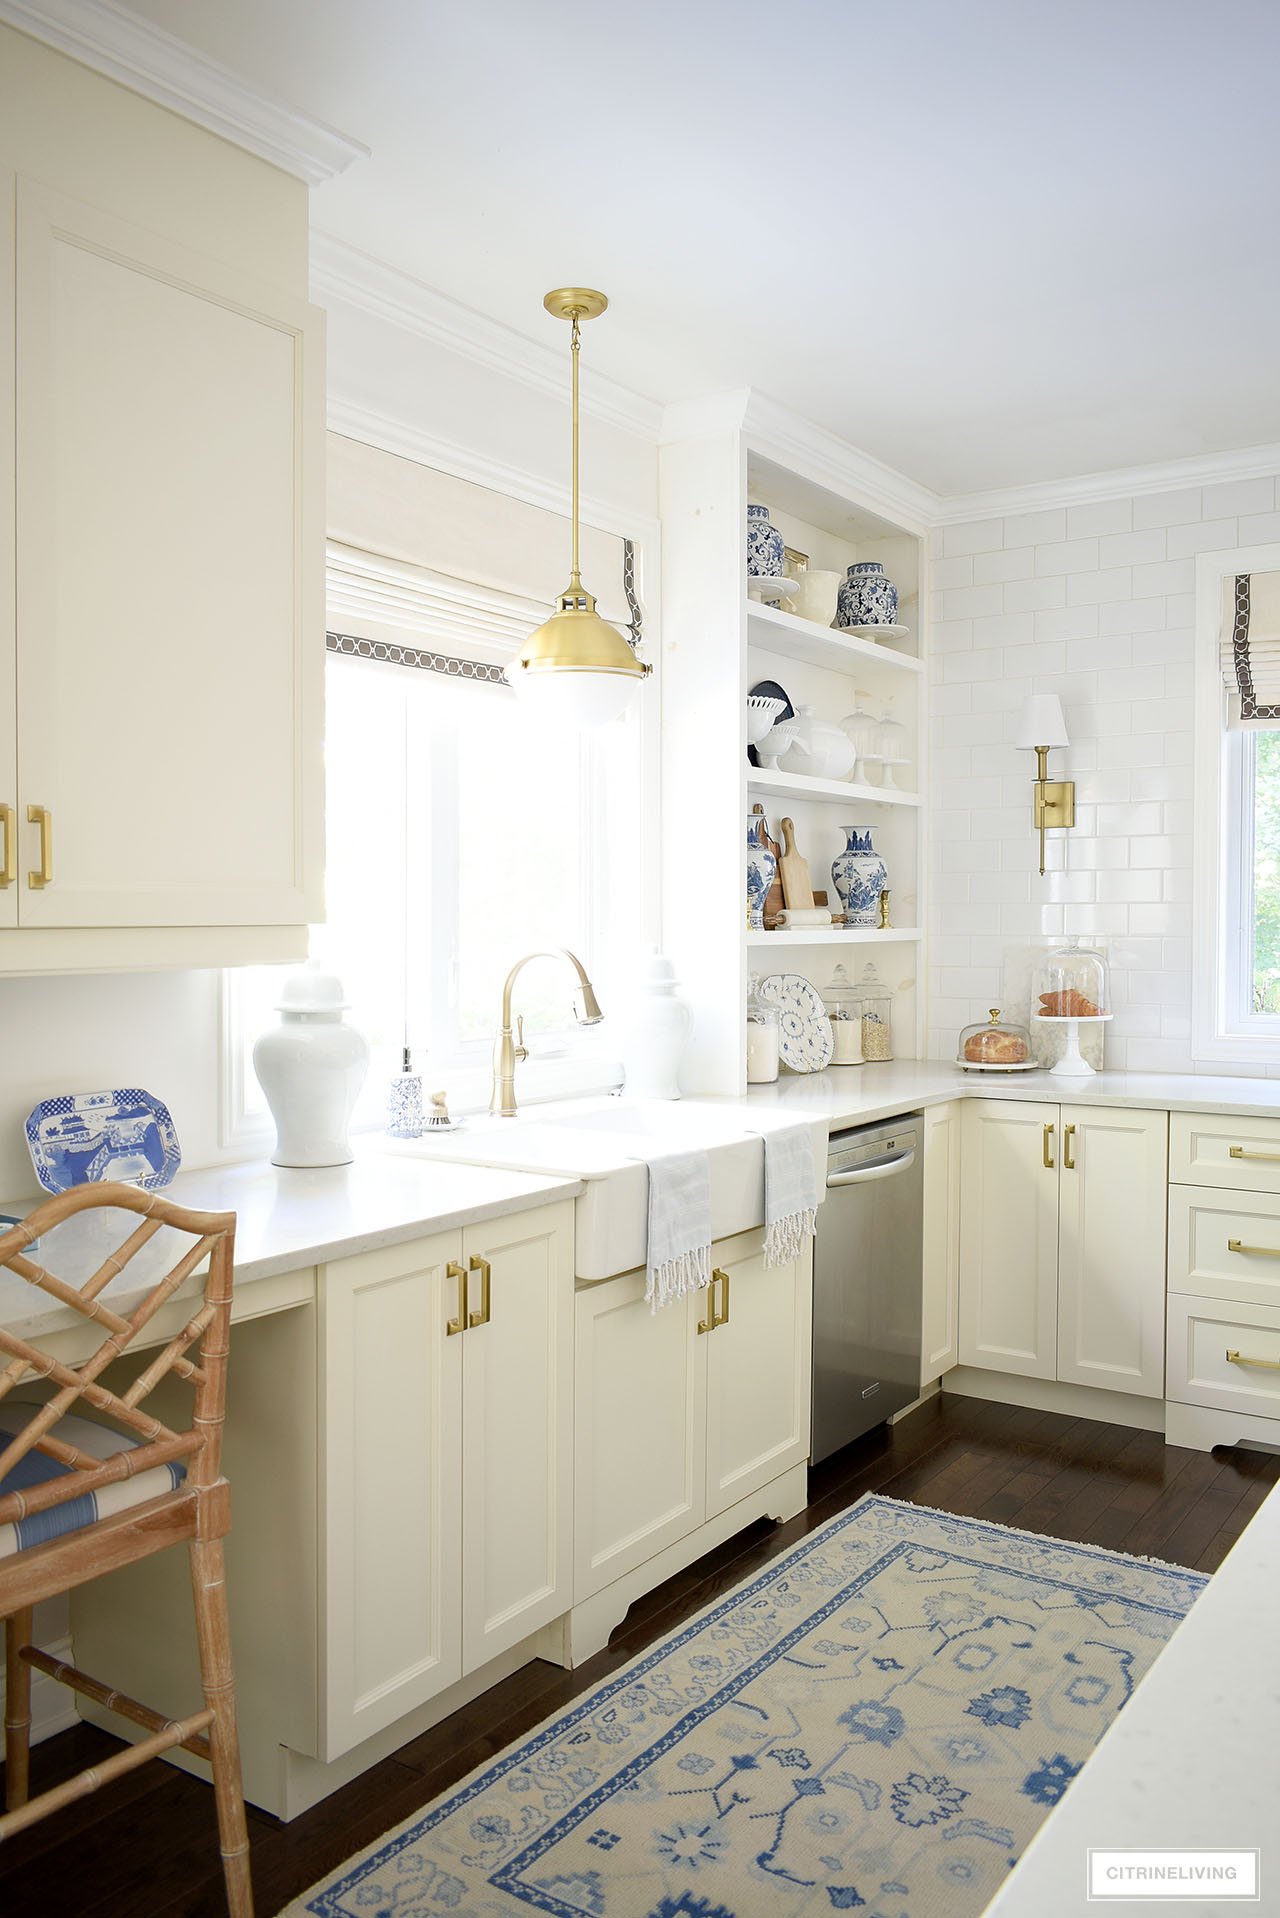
x,y
1009,1236
170,578
1111,1282
8,657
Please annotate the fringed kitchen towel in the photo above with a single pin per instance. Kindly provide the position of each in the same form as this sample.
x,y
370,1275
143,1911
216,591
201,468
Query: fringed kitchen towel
x,y
790,1192
679,1225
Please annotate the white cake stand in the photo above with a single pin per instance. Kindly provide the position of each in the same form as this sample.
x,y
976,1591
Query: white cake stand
x,y
1072,1064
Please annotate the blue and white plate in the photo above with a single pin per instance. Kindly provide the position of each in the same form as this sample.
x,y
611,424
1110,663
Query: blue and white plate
x,y
82,1138
805,1042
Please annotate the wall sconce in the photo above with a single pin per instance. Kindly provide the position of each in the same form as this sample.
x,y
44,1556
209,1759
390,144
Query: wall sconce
x,y
1041,728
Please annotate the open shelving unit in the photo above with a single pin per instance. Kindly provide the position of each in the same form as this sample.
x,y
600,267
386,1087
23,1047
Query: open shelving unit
x,y
717,644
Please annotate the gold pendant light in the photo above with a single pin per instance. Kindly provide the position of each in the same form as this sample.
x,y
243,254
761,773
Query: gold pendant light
x,y
576,667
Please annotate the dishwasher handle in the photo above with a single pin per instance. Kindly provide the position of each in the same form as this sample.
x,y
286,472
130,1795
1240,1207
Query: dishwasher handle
x,y
882,1169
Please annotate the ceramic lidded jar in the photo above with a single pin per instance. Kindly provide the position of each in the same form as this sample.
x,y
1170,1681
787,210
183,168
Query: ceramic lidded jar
x,y
762,868
868,597
765,545
655,1033
311,1067
859,875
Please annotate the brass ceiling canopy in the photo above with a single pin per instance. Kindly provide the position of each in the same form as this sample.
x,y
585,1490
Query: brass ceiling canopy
x,y
576,640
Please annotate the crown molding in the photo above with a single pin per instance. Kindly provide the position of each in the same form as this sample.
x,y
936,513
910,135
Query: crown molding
x,y
342,272
1087,489
831,462
162,68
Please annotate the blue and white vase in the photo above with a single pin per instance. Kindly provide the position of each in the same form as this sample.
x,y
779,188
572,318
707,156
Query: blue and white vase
x,y
762,869
765,545
868,597
859,875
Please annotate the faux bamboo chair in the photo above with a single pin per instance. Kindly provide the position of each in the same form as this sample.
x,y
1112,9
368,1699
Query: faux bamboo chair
x,y
80,1498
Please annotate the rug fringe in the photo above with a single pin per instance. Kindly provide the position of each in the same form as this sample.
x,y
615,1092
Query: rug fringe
x,y
1050,1538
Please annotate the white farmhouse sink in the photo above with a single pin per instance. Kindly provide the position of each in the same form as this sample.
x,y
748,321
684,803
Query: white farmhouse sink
x,y
603,1142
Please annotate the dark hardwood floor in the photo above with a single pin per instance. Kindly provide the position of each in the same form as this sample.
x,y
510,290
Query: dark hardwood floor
x,y
146,1848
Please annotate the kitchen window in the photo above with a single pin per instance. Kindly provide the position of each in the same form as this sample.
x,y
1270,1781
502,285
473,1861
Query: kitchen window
x,y
1253,876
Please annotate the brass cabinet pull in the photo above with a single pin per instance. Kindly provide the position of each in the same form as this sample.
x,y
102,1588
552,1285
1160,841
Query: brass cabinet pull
x,y
1048,1162
1266,1365
42,817
1254,1251
1068,1134
459,1322
481,1317
710,1323
9,870
723,1318
1238,1152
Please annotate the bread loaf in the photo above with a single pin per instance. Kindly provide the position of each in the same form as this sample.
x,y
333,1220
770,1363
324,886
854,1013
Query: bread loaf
x,y
995,1049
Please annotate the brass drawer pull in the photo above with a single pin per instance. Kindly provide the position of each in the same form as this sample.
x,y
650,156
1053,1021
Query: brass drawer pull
x,y
1254,1251
481,1317
1238,1152
9,870
1068,1135
41,875
723,1277
710,1323
1048,1162
1267,1365
459,1322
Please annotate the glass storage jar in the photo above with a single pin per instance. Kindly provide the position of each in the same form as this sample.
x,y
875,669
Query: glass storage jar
x,y
763,1034
843,1004
998,1046
1071,983
877,1014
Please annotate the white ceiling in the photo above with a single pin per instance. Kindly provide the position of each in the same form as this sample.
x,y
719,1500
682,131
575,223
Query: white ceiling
x,y
989,241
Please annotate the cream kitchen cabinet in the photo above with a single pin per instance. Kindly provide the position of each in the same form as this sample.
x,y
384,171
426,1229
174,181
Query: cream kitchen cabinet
x,y
1062,1243
685,1416
940,1334
446,1433
161,529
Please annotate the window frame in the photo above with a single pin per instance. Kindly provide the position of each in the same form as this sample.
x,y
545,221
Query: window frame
x,y
1224,1031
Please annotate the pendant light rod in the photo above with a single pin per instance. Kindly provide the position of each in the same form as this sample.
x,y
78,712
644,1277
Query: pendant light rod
x,y
576,348
575,304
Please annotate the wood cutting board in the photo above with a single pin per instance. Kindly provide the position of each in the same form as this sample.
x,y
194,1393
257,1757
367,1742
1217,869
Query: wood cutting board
x,y
774,901
797,890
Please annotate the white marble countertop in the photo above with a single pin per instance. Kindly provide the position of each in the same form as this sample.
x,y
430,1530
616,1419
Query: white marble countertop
x,y
286,1220
1190,1761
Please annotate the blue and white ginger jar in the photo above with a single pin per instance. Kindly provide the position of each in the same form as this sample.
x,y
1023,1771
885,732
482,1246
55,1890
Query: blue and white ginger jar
x,y
868,597
762,868
859,875
765,545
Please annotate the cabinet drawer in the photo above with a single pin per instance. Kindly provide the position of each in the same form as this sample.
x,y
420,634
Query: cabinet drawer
x,y
1207,1149
1202,1332
1223,1245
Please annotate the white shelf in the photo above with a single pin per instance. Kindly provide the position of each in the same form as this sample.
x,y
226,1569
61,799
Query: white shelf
x,y
797,638
800,786
837,936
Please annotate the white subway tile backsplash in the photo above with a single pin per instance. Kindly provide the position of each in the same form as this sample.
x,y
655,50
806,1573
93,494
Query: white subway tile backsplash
x,y
1096,604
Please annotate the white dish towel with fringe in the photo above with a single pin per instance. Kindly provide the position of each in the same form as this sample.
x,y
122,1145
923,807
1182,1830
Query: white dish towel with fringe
x,y
679,1225
790,1192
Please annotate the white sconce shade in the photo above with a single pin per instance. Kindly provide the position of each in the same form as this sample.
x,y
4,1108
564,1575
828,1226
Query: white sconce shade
x,y
1042,723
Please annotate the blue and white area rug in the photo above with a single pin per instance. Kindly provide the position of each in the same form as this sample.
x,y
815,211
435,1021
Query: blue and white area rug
x,y
877,1723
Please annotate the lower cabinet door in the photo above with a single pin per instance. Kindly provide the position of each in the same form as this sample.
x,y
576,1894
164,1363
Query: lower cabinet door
x,y
517,1429
640,1426
391,1399
940,1338
759,1369
1111,1248
1009,1236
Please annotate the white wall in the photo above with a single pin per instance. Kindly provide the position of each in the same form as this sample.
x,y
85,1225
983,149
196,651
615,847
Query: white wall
x,y
1094,603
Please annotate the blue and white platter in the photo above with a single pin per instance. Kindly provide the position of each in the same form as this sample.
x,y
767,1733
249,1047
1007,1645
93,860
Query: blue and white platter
x,y
805,1042
82,1138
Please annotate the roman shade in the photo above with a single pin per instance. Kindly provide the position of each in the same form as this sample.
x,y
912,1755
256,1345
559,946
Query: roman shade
x,y
1250,650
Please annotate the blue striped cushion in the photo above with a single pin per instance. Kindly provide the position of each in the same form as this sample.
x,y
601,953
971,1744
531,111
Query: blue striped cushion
x,y
36,1469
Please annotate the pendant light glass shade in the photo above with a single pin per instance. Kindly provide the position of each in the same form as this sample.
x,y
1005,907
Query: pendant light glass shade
x,y
576,670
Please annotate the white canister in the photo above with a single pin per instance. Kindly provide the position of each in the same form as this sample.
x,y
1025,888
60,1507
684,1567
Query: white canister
x,y
655,1033
311,1067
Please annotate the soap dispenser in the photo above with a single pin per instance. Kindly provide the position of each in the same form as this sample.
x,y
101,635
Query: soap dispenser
x,y
655,1032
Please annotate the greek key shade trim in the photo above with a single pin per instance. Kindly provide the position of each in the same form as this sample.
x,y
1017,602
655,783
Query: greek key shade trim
x,y
392,655
1251,650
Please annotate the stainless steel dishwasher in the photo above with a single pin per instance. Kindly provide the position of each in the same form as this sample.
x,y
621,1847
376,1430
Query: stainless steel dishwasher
x,y
867,1281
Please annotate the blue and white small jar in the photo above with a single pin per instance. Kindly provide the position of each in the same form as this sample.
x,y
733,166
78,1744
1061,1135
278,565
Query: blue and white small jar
x,y
868,597
762,869
859,875
765,545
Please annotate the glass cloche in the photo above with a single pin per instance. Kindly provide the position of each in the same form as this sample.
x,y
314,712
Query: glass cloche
x,y
1071,982
998,1046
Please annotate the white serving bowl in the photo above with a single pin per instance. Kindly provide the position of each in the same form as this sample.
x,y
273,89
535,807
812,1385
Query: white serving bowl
x,y
761,713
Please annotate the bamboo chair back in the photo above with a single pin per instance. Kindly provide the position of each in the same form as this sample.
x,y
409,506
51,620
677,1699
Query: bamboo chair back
x,y
204,1371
